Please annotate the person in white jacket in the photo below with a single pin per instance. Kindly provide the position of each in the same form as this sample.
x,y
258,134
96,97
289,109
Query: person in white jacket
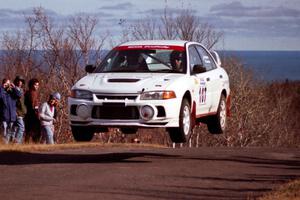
x,y
46,114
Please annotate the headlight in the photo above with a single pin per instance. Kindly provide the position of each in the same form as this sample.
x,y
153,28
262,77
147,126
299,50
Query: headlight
x,y
81,94
158,95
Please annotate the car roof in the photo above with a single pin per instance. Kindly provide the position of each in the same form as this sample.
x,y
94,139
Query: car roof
x,y
156,42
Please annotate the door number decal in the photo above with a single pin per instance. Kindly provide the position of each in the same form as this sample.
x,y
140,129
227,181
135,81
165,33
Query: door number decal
x,y
202,92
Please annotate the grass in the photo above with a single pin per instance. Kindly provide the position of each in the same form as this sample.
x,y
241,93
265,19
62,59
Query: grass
x,y
289,191
43,147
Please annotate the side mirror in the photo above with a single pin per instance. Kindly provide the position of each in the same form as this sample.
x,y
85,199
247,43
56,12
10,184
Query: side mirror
x,y
197,69
216,57
90,68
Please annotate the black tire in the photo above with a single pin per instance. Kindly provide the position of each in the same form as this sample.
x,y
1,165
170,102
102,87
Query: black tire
x,y
216,124
82,134
129,130
183,132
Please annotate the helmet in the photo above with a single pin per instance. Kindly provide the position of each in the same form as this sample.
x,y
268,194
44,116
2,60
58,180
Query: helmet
x,y
177,55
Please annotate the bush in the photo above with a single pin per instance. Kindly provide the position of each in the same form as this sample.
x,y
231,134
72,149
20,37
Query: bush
x,y
262,113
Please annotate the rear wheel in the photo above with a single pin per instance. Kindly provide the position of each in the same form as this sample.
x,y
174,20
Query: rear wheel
x,y
82,134
183,132
217,123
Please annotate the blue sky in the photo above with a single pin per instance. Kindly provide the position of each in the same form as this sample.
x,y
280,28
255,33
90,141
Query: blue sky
x,y
247,24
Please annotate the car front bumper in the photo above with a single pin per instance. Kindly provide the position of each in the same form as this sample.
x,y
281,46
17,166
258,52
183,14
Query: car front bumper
x,y
123,113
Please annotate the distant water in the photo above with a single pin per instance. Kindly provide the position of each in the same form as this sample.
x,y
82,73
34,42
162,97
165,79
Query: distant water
x,y
270,65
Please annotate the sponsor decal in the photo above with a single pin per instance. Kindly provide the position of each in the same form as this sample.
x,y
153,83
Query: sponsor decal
x,y
202,92
206,59
136,47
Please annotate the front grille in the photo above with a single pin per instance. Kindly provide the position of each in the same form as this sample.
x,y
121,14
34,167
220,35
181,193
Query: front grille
x,y
116,97
115,111
73,109
161,111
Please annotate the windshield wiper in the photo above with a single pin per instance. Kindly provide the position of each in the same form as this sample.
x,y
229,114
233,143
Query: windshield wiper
x,y
163,70
121,70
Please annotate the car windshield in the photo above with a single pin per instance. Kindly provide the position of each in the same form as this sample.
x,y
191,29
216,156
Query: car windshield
x,y
145,60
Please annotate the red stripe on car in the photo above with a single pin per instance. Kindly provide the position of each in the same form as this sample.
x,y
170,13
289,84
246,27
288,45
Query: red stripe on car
x,y
136,47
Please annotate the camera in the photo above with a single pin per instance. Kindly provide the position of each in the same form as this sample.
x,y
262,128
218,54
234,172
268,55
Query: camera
x,y
9,87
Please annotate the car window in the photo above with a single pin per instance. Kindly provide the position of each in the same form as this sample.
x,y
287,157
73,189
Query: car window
x,y
194,57
144,60
206,58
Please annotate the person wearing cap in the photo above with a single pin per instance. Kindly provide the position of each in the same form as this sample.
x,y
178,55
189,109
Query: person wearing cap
x,y
21,110
8,97
46,114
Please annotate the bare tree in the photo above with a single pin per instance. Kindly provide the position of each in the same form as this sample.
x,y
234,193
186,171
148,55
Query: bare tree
x,y
167,28
81,32
55,54
66,51
187,25
18,55
183,26
144,29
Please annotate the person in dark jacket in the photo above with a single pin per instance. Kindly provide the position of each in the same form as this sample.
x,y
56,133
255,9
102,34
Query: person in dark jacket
x,y
21,110
32,103
8,97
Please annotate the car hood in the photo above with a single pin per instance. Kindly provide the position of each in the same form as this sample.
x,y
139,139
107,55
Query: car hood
x,y
126,82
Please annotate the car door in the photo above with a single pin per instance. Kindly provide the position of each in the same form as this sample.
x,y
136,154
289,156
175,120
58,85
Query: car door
x,y
213,78
202,89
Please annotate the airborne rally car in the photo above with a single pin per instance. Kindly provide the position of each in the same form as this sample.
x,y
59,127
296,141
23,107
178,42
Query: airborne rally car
x,y
157,83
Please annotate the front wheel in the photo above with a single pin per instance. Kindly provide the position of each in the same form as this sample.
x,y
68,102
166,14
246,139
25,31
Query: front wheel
x,y
183,132
82,134
217,123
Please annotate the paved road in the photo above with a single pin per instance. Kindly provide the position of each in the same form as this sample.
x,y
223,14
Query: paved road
x,y
146,173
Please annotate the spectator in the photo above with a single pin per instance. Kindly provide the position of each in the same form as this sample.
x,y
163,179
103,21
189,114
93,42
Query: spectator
x,y
32,102
46,114
8,97
21,110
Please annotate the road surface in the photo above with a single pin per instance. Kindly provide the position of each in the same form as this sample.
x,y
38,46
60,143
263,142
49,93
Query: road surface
x,y
146,173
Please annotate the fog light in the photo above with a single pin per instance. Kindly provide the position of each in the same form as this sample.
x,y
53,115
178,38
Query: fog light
x,y
83,111
147,112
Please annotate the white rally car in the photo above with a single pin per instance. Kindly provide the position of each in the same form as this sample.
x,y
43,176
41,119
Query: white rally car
x,y
147,84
